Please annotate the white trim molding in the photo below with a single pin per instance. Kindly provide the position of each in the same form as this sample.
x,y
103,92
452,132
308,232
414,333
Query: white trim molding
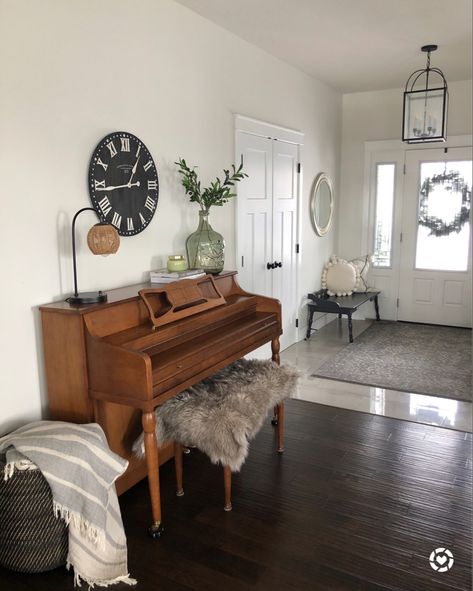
x,y
261,128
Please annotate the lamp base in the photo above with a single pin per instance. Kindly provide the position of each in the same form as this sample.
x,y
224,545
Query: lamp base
x,y
88,297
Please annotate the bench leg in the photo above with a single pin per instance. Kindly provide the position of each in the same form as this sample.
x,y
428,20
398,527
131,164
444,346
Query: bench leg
x,y
280,415
350,328
309,325
275,346
376,307
148,420
178,468
227,480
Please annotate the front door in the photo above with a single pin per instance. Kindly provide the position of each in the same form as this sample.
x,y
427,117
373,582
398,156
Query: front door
x,y
435,261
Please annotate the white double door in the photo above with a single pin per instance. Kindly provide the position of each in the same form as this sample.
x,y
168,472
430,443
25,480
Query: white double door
x,y
267,210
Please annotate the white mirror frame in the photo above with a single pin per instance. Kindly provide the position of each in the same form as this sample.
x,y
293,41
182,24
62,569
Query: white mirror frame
x,y
321,178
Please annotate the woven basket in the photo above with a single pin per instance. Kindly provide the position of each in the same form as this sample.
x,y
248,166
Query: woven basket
x,y
32,540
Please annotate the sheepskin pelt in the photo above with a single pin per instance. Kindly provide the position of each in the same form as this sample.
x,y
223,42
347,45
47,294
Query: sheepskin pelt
x,y
221,414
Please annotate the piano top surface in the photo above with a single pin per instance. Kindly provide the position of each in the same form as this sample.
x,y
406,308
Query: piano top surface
x,y
114,296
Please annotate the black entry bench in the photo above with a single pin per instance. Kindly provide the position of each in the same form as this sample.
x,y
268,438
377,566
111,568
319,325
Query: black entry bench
x,y
322,302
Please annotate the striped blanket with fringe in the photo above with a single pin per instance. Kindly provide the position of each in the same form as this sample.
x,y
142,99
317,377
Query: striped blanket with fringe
x,y
81,471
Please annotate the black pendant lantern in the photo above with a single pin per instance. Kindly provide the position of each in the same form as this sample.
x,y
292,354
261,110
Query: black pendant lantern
x,y
425,105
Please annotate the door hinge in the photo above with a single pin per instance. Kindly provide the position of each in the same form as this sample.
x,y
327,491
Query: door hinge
x,y
299,167
404,169
297,322
297,248
445,150
400,237
397,303
242,261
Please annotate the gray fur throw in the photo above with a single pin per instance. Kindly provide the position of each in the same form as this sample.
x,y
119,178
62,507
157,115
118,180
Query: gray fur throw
x,y
221,414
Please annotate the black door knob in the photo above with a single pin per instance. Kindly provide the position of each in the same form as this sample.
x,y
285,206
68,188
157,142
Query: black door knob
x,y
276,264
269,265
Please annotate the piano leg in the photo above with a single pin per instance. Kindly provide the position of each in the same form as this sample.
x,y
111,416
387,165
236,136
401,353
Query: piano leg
x,y
152,462
178,468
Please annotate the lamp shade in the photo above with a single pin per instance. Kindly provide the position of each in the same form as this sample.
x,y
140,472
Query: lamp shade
x,y
425,105
103,239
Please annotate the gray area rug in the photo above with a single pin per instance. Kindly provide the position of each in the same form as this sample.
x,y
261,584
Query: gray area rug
x,y
417,358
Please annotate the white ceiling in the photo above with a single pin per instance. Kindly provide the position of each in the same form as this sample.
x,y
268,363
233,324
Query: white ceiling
x,y
352,45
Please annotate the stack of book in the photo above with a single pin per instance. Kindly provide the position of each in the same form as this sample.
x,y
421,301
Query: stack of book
x,y
165,276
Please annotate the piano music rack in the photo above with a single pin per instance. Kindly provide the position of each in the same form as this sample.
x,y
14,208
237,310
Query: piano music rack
x,y
181,299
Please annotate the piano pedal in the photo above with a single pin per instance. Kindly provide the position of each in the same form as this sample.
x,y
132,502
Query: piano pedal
x,y
156,530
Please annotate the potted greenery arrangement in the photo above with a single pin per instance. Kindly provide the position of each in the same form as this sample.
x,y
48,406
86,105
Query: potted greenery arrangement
x,y
205,247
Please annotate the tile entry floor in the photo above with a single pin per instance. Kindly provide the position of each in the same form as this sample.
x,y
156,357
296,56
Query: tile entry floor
x,y
309,355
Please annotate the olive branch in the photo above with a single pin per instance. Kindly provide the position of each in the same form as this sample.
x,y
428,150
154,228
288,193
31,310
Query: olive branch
x,y
217,193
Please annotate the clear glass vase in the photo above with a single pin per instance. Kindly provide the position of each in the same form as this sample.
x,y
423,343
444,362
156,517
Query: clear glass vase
x,y
205,247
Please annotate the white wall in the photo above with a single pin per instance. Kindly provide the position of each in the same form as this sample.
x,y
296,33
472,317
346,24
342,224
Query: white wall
x,y
378,116
73,71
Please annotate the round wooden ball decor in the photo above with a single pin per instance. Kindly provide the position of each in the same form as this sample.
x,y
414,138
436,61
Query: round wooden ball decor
x,y
103,239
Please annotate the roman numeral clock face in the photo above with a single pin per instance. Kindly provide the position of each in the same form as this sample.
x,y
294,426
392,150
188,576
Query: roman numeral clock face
x,y
123,183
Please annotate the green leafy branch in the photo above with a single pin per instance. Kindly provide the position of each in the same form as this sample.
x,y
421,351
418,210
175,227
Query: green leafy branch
x,y
217,193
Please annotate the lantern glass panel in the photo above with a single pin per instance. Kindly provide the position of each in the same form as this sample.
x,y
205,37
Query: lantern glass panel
x,y
425,115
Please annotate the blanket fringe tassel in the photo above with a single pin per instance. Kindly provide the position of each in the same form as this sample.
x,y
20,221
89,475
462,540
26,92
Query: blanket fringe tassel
x,y
86,529
78,578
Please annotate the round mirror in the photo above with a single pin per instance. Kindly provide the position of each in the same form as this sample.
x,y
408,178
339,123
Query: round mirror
x,y
321,204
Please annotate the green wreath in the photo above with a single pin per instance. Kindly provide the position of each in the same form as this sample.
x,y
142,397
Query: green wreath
x,y
454,183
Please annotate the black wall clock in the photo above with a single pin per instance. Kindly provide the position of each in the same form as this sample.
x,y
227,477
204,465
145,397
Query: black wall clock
x,y
123,183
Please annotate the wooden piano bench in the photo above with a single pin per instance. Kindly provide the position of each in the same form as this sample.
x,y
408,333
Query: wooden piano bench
x,y
223,413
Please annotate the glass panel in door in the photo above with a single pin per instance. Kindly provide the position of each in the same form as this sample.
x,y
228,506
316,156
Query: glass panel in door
x,y
443,230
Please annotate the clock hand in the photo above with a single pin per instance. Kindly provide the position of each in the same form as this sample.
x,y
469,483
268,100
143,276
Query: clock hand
x,y
127,186
133,170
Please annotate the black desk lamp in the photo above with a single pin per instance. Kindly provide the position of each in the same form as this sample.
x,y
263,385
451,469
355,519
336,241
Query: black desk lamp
x,y
102,239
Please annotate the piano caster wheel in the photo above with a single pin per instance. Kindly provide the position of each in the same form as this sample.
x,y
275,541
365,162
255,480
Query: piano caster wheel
x,y
180,492
281,450
156,530
228,507
274,421
186,450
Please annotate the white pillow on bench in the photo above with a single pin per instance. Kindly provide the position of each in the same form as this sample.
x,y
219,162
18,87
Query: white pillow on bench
x,y
339,277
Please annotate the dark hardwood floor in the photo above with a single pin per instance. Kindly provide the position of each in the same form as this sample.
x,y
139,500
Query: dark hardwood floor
x,y
357,502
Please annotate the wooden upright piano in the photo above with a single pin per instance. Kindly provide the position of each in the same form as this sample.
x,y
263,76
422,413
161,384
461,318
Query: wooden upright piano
x,y
114,363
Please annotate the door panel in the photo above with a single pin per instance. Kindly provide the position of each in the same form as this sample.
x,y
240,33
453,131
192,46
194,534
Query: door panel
x,y
435,270
285,159
254,214
267,205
